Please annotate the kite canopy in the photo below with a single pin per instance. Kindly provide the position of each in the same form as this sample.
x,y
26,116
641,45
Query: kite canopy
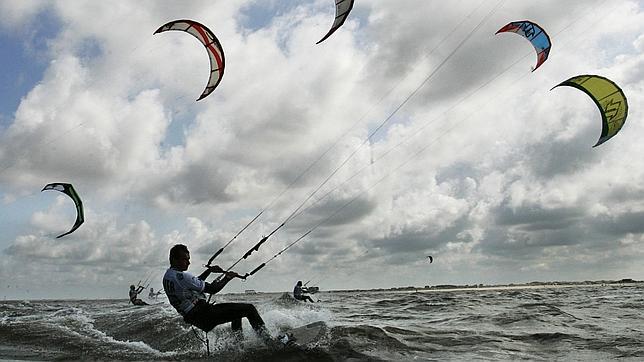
x,y
342,9
68,190
431,259
213,47
608,97
535,34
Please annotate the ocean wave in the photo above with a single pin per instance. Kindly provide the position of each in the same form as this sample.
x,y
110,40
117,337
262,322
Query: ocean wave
x,y
478,325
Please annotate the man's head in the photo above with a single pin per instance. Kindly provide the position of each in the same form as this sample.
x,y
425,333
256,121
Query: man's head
x,y
179,257
131,286
299,282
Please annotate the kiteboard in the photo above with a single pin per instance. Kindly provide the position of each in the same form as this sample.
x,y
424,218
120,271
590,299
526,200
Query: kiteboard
x,y
304,336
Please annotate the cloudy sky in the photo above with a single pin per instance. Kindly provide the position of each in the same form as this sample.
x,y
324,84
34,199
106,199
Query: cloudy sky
x,y
423,132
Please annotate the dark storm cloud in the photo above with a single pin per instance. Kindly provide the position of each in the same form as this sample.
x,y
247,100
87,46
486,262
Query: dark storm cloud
x,y
412,41
535,217
554,157
199,183
620,224
276,124
528,231
403,40
518,243
306,169
625,193
409,241
212,246
525,231
345,213
317,247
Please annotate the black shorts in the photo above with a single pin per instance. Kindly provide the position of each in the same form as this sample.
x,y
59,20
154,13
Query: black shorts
x,y
206,316
199,316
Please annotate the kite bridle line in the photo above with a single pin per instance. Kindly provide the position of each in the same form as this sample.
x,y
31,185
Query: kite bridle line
x,y
345,205
419,152
231,240
146,282
459,102
365,141
295,213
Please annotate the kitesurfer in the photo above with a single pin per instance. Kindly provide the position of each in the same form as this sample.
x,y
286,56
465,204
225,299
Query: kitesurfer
x,y
186,294
153,294
298,292
134,293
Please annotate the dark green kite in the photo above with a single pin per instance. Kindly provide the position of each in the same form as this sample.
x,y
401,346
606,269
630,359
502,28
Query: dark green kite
x,y
68,190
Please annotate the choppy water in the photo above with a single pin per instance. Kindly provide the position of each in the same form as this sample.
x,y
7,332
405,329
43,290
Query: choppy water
x,y
574,323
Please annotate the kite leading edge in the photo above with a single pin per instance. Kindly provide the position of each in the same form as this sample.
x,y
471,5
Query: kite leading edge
x,y
608,97
535,34
342,9
213,47
69,190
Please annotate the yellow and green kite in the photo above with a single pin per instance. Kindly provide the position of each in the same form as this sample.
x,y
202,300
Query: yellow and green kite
x,y
608,97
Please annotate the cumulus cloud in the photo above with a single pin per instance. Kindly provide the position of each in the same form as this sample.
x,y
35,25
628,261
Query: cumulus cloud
x,y
16,14
483,166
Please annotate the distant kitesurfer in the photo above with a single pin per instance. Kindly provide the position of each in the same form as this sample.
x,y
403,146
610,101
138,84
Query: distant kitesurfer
x,y
134,293
186,294
153,294
298,293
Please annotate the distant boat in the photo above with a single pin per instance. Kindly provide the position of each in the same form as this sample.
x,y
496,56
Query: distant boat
x,y
250,291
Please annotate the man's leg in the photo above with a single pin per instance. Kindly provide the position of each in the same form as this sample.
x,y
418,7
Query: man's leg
x,y
234,312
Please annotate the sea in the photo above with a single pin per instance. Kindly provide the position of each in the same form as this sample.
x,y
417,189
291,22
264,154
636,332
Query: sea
x,y
542,323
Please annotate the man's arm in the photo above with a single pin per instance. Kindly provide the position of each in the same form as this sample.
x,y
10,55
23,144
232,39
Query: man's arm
x,y
210,269
216,286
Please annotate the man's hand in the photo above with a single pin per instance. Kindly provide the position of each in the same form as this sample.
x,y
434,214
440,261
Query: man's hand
x,y
232,274
215,269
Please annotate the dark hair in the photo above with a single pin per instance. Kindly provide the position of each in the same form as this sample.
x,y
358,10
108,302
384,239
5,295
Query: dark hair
x,y
177,250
